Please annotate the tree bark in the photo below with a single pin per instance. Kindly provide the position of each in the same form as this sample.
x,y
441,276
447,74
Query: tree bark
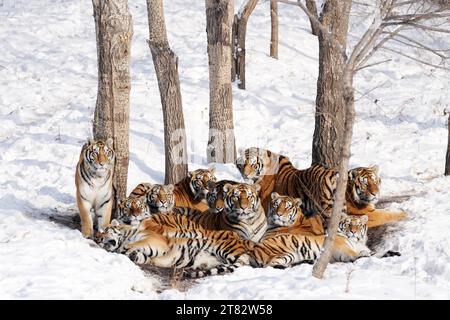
x,y
221,143
166,68
239,32
339,196
274,29
447,161
114,30
311,5
330,112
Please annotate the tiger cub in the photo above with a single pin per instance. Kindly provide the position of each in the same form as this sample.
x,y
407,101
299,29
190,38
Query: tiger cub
x,y
217,253
93,180
191,191
261,166
362,191
242,212
286,249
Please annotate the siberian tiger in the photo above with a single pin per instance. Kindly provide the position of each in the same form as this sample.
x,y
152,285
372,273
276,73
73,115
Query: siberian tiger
x,y
191,191
242,212
282,250
363,187
160,198
141,190
216,253
93,180
133,209
215,195
285,215
261,166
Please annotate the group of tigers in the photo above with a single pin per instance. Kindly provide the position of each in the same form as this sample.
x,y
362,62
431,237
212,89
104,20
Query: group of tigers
x,y
279,218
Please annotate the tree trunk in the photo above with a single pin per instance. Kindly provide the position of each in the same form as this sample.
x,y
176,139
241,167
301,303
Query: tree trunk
x,y
330,112
166,68
219,17
274,29
239,32
114,30
311,5
339,196
447,161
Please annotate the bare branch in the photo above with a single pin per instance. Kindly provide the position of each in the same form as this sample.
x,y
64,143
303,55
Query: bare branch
x,y
416,59
327,34
418,45
372,64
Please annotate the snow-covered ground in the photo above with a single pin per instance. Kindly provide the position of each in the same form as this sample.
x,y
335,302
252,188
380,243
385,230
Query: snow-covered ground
x,y
48,86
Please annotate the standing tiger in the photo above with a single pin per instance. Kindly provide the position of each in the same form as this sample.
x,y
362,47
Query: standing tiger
x,y
216,253
261,166
93,180
362,191
191,191
282,249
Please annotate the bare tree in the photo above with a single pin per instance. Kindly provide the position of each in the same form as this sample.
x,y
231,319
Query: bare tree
x,y
392,17
238,40
311,5
330,112
221,143
166,67
447,158
274,29
114,30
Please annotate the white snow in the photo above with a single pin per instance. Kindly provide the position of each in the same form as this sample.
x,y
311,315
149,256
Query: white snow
x,y
48,86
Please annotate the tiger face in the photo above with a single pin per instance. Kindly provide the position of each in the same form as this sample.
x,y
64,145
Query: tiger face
x,y
111,238
284,211
133,210
251,166
364,184
99,154
215,195
199,180
241,201
160,198
354,227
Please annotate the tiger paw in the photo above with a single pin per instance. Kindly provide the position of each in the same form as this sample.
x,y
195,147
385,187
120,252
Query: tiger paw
x,y
364,253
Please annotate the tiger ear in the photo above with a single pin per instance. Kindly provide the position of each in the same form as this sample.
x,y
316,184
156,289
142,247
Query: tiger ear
x,y
110,142
212,170
351,174
257,187
115,223
298,202
170,187
376,169
226,187
274,195
189,174
364,219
